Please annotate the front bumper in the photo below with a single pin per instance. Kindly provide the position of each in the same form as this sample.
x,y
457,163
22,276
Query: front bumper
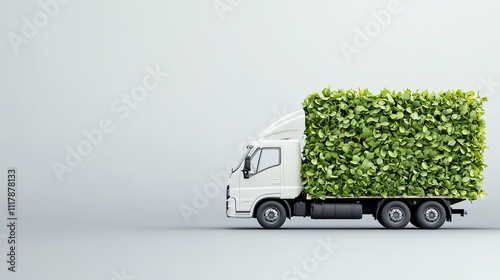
x,y
231,207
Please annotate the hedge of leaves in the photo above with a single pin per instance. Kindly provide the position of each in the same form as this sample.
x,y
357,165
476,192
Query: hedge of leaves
x,y
394,144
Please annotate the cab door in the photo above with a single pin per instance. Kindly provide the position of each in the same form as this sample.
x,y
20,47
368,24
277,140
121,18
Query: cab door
x,y
264,176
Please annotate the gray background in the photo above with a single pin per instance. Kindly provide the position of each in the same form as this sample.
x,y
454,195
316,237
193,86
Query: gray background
x,y
231,74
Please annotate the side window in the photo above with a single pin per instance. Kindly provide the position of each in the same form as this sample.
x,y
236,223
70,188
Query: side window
x,y
270,157
265,158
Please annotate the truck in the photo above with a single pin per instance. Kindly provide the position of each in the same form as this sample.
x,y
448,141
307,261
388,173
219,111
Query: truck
x,y
266,184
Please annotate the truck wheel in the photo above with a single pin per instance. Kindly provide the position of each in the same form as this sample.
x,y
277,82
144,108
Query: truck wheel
x,y
394,214
271,214
431,215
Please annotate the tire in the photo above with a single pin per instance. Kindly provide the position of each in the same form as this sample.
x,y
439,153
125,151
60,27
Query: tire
x,y
430,215
271,214
394,215
380,222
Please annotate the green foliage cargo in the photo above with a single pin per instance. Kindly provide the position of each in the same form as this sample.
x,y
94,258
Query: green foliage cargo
x,y
394,144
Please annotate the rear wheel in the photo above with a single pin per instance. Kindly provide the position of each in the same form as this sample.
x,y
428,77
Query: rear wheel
x,y
271,214
431,215
394,215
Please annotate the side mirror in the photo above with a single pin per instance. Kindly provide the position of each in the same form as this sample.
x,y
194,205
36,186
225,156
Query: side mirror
x,y
246,167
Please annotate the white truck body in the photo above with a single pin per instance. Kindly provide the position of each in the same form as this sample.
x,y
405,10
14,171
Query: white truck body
x,y
266,184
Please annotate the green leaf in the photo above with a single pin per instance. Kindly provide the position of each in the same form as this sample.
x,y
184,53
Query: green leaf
x,y
321,134
346,148
447,111
360,109
425,166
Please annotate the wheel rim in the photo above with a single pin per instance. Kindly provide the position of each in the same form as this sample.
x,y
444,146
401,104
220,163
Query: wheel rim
x,y
431,215
271,215
396,214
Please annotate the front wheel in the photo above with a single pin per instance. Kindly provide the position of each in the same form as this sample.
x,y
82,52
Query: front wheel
x,y
394,215
430,215
271,214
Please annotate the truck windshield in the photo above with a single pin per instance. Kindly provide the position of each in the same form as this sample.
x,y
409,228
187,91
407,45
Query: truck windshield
x,y
249,147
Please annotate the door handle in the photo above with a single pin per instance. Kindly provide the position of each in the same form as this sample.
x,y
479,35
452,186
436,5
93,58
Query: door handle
x,y
275,181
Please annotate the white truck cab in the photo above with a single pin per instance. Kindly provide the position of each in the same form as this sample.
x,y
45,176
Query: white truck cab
x,y
261,175
269,169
